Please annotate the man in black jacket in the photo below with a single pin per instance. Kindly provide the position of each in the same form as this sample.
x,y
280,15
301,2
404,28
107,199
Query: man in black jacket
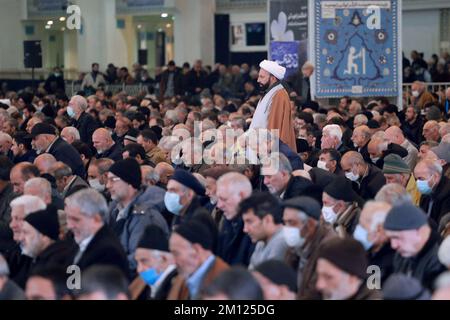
x,y
83,121
379,148
415,242
368,178
40,240
234,246
45,140
413,125
434,187
97,244
171,84
105,145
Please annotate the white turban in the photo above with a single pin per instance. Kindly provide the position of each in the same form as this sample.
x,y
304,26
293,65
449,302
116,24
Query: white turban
x,y
273,68
444,252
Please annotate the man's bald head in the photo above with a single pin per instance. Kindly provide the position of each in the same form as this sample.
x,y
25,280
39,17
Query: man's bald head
x,y
361,135
431,131
372,219
102,140
395,135
232,188
44,162
20,173
164,171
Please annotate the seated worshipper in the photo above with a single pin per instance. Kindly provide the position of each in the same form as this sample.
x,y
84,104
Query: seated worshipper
x,y
97,244
342,271
277,280
303,234
48,283
45,140
22,149
341,206
329,160
361,138
105,145
101,282
136,151
66,181
444,252
9,290
149,140
396,170
191,244
7,190
415,243
263,222
332,139
234,245
395,135
366,177
442,155
18,262
39,240
184,195
434,187
236,283
379,147
155,265
279,179
274,109
371,234
130,212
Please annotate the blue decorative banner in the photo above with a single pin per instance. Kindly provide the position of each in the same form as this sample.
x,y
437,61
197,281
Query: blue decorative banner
x,y
356,48
286,54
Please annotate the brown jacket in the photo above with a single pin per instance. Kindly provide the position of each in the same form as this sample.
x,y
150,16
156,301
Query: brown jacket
x,y
347,221
280,118
307,287
180,290
365,293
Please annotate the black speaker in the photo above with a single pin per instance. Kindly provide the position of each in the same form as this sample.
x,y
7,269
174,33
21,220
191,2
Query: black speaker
x,y
142,57
32,54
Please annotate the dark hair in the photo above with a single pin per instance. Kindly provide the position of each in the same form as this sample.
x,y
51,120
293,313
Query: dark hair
x,y
21,138
5,168
149,135
103,278
135,149
83,149
263,204
236,283
334,154
57,276
95,64
305,116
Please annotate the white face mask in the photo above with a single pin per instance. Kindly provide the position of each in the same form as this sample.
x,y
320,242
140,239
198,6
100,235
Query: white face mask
x,y
415,93
329,215
375,159
293,237
351,176
322,165
95,184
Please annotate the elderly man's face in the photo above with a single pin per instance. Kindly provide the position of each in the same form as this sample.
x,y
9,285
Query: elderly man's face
x,y
332,282
5,146
17,181
101,144
276,183
41,142
228,201
186,257
117,187
31,240
78,223
328,141
17,216
405,243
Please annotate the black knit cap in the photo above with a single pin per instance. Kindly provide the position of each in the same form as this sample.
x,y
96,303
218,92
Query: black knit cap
x,y
129,171
279,273
196,232
154,238
341,189
188,180
405,217
347,254
45,221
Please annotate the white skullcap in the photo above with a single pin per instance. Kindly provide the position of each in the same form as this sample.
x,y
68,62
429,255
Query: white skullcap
x,y
444,252
273,68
